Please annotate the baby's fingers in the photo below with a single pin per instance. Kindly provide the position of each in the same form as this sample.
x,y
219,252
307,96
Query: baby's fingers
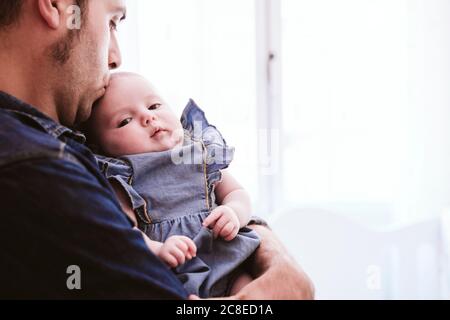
x,y
223,221
227,230
170,260
189,247
178,254
232,235
192,248
212,218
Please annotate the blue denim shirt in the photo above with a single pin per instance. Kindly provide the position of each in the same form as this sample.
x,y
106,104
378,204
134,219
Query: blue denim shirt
x,y
59,211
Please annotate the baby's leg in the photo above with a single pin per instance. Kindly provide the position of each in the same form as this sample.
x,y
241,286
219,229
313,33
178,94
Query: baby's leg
x,y
240,282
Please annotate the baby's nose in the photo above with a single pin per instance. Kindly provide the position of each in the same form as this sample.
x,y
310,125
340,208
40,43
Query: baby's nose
x,y
147,119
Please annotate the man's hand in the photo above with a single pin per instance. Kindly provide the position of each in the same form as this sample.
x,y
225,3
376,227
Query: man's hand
x,y
224,222
278,276
176,250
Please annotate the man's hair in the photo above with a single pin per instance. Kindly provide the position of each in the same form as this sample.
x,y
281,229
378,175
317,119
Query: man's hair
x,y
10,11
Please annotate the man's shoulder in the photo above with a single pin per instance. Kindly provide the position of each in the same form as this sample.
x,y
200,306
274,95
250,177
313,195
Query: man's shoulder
x,y
20,140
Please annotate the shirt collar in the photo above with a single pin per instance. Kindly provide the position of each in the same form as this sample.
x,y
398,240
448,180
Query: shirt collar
x,y
10,103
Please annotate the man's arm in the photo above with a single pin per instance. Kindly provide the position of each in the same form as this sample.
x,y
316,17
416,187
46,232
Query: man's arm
x,y
55,214
278,276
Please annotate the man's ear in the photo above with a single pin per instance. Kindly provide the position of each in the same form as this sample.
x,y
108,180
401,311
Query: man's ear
x,y
51,12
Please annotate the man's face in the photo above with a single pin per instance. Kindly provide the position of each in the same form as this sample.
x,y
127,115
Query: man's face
x,y
133,119
83,77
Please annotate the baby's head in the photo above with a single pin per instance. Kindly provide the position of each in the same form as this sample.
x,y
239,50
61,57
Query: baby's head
x,y
131,118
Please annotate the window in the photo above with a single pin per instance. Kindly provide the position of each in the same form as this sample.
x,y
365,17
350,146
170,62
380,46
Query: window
x,y
361,92
201,49
364,103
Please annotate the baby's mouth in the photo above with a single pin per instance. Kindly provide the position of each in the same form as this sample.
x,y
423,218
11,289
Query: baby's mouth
x,y
156,132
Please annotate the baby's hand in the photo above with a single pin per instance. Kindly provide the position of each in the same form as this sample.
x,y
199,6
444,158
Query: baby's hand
x,y
176,250
224,222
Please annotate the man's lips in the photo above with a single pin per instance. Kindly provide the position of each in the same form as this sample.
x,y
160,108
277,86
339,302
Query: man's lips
x,y
105,85
101,92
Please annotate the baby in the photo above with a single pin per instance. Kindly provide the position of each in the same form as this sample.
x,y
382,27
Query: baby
x,y
170,178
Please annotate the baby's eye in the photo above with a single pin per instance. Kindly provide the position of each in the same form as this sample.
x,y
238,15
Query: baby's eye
x,y
125,122
154,106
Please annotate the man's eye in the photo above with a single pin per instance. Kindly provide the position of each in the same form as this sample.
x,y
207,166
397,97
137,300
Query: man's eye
x,y
125,122
154,106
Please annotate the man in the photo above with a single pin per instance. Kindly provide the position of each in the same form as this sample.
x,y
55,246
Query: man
x,y
63,233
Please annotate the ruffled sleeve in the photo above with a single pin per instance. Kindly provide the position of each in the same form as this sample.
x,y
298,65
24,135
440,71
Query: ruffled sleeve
x,y
121,172
219,154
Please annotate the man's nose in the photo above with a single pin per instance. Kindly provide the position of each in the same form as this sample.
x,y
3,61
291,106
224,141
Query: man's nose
x,y
114,55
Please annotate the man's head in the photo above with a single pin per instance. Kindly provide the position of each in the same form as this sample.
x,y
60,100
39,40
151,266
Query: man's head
x,y
132,118
10,14
52,61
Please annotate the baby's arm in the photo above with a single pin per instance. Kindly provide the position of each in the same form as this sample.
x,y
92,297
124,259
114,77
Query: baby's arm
x,y
174,251
235,209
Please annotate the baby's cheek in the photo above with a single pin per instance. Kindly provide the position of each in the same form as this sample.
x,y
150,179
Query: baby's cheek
x,y
177,138
116,145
